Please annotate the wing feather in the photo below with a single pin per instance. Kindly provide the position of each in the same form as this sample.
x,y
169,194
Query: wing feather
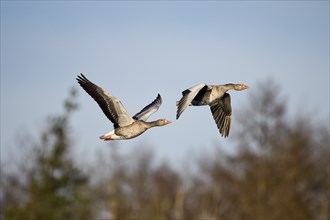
x,y
187,96
110,105
145,113
221,111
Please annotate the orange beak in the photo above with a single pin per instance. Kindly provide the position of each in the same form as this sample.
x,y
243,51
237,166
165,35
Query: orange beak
x,y
167,122
245,87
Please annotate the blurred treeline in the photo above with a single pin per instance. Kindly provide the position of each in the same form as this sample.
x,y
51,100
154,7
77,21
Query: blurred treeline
x,y
279,171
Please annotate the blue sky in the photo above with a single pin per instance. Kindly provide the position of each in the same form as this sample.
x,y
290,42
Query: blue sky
x,y
137,49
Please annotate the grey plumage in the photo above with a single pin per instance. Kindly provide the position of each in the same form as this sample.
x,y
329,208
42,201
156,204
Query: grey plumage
x,y
216,97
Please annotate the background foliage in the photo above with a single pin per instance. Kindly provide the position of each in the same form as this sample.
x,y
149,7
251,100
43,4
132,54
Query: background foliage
x,y
280,171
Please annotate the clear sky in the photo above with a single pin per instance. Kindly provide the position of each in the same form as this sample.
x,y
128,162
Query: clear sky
x,y
137,49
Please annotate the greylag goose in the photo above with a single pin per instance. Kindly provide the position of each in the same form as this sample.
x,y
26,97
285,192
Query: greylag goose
x,y
125,126
216,97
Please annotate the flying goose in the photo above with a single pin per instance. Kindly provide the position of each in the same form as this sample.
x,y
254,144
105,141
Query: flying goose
x,y
125,126
216,97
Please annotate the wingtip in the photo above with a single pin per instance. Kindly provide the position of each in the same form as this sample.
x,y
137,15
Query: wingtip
x,y
177,115
159,97
80,78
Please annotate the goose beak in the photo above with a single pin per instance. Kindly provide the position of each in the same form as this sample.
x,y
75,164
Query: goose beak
x,y
245,87
167,122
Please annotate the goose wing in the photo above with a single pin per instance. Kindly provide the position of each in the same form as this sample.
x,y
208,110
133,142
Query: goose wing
x,y
221,111
187,96
110,105
145,113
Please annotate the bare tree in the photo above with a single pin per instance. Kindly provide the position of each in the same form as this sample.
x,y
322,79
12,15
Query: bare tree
x,y
280,171
54,185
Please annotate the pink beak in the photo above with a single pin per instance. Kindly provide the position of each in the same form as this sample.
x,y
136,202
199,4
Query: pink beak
x,y
167,122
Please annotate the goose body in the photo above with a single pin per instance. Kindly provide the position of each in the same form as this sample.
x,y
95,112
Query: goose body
x,y
216,97
125,126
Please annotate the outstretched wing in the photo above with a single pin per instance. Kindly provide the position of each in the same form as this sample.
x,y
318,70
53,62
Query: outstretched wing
x,y
221,111
187,96
110,105
145,113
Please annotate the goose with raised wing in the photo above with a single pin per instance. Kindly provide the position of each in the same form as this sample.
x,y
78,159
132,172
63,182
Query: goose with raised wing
x,y
125,126
216,97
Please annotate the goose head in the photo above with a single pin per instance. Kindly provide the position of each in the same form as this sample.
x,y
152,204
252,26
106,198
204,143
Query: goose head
x,y
239,87
159,122
162,122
